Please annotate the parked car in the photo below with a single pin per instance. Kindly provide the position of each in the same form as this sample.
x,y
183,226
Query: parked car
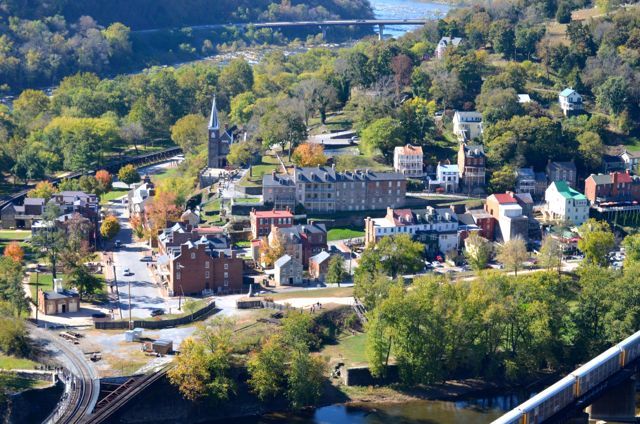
x,y
127,272
157,312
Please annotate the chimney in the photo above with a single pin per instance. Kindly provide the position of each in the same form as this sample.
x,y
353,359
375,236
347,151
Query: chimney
x,y
333,166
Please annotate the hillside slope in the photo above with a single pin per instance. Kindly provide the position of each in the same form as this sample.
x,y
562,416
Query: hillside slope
x,y
144,14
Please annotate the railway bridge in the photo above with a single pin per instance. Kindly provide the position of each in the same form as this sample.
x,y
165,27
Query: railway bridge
x,y
322,25
602,389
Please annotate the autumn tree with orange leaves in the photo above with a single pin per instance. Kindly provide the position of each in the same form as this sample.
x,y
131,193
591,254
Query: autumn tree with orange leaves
x,y
161,210
104,179
14,251
309,154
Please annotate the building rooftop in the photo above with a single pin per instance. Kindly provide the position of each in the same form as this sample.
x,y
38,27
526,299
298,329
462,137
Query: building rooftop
x,y
409,150
473,151
63,294
328,174
446,41
569,165
504,198
567,192
524,98
272,214
320,257
448,168
471,116
283,261
567,92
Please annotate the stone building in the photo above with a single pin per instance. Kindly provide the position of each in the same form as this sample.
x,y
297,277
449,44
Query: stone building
x,y
287,271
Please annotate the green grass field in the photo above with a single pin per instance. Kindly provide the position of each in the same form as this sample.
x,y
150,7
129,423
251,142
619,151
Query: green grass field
x,y
267,164
112,195
12,363
343,233
350,349
14,235
45,282
246,200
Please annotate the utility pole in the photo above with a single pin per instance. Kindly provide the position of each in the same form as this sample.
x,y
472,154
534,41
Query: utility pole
x,y
115,282
130,322
37,294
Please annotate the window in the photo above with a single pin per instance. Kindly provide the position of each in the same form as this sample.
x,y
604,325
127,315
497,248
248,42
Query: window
x,y
178,275
226,283
377,183
206,264
226,266
206,274
226,275
193,255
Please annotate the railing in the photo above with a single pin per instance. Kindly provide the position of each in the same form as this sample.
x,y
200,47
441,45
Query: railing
x,y
154,325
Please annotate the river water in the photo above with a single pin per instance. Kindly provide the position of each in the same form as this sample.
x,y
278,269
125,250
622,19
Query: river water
x,y
406,9
477,411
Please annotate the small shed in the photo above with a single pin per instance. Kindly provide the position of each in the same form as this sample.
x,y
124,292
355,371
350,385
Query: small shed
x,y
161,346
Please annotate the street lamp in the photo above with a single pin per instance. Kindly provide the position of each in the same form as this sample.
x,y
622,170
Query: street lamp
x,y
37,271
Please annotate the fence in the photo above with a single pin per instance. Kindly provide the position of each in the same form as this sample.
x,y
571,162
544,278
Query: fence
x,y
156,325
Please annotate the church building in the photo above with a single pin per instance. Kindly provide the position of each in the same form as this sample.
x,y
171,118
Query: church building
x,y
219,141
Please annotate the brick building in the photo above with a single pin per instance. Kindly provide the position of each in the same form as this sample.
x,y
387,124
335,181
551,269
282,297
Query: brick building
x,y
322,189
319,265
262,221
613,187
58,300
197,268
472,167
302,241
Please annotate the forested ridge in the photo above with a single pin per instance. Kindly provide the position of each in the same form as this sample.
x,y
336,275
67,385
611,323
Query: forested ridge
x,y
143,14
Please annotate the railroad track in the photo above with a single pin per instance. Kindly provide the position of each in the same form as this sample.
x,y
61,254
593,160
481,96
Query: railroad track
x,y
79,398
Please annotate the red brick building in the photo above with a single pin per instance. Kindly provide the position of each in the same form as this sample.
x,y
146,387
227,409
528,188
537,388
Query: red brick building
x,y
319,265
613,187
197,268
262,221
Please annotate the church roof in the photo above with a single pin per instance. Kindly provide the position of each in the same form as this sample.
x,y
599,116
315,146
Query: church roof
x,y
213,120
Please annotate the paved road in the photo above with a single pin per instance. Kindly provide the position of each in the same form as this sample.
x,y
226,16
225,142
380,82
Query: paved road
x,y
145,295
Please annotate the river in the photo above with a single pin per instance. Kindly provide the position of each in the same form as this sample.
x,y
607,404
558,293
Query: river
x,y
406,9
477,411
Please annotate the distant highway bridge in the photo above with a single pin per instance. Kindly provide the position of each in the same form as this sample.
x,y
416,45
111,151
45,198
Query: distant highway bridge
x,y
322,25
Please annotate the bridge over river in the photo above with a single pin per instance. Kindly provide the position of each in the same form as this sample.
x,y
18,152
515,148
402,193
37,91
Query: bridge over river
x,y
322,25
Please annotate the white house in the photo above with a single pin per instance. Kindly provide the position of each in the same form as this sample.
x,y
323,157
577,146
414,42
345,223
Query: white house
x,y
445,43
408,160
566,204
467,125
441,223
631,160
524,98
448,177
570,101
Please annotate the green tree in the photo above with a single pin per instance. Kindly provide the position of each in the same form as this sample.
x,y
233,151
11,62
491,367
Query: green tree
x,y
190,133
563,13
596,241
43,190
81,278
128,174
110,227
503,37
551,253
612,95
267,368
396,255
242,153
11,290
242,107
382,135
336,273
591,150
296,331
236,78
14,339
478,251
513,253
202,368
498,104
305,375
282,126
503,179
49,244
631,244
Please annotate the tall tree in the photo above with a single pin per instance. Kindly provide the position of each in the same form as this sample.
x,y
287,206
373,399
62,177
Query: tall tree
x,y
513,253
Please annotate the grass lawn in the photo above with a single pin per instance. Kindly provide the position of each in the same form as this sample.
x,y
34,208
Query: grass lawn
x,y
14,235
112,195
350,163
343,233
241,244
163,175
45,282
246,200
350,349
267,164
14,384
13,363
212,206
328,292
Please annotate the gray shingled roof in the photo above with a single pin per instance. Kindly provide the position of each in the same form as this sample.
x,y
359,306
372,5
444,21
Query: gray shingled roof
x,y
283,261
